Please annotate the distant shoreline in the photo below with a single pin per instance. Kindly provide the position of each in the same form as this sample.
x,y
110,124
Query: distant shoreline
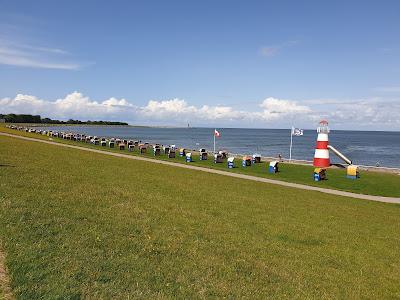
x,y
182,127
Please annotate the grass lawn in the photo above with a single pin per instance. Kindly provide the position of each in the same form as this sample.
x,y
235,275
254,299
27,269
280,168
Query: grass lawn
x,y
372,183
76,224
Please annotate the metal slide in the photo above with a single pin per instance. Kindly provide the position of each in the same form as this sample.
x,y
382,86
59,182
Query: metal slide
x,y
340,155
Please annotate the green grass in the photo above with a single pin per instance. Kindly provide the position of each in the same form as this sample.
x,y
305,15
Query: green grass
x,y
76,224
371,183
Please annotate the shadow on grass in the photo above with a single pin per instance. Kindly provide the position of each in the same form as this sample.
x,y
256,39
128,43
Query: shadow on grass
x,y
340,166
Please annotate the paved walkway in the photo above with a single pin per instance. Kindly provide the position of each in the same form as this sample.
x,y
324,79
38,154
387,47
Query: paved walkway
x,y
236,175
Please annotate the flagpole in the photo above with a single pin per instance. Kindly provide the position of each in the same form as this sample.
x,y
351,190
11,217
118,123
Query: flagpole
x,y
291,143
214,139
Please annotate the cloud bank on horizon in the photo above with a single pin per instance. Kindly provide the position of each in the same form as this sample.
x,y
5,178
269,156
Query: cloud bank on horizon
x,y
270,112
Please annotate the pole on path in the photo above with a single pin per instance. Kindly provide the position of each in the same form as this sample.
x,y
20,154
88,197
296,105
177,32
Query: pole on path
x,y
291,143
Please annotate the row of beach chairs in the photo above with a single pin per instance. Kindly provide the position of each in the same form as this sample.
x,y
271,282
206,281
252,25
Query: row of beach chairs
x,y
131,145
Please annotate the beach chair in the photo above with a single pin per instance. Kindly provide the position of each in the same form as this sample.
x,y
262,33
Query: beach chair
x,y
142,149
352,172
224,153
171,153
256,158
156,150
246,161
319,174
273,167
203,155
218,158
231,162
166,149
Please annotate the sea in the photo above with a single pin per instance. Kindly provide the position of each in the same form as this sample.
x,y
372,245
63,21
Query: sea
x,y
371,148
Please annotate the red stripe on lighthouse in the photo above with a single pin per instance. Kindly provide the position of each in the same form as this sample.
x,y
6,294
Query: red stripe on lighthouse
x,y
321,162
322,145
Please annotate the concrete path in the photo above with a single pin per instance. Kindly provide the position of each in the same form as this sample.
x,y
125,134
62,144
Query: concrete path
x,y
220,172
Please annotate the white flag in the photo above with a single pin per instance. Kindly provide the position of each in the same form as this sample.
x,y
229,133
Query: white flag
x,y
297,131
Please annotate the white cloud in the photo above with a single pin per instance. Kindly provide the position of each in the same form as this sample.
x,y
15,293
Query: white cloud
x,y
115,102
168,109
23,55
222,113
74,105
272,112
179,109
274,108
373,112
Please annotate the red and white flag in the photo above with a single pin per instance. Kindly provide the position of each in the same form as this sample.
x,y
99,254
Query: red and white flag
x,y
216,133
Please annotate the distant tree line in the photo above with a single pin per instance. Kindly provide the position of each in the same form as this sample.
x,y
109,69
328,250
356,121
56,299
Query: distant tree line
x,y
14,118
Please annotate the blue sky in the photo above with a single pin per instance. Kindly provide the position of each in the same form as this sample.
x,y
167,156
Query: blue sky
x,y
207,62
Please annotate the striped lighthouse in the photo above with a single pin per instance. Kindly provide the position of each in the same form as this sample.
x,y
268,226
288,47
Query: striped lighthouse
x,y
321,156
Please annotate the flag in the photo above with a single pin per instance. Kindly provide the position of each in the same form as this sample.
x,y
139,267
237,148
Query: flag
x,y
216,133
297,131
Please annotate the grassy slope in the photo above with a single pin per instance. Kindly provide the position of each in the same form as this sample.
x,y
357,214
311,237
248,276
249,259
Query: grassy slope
x,y
373,183
84,224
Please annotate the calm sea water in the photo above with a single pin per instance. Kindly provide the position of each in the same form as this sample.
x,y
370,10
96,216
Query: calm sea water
x,y
363,147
